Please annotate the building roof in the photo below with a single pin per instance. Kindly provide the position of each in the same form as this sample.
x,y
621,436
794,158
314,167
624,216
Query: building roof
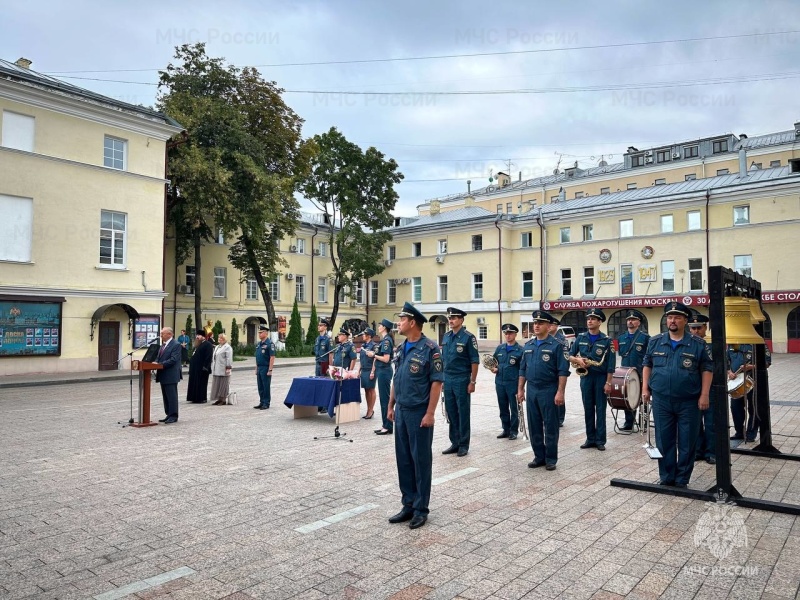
x,y
11,71
469,213
769,139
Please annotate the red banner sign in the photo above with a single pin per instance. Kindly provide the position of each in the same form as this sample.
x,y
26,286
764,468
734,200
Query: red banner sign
x,y
633,302
776,297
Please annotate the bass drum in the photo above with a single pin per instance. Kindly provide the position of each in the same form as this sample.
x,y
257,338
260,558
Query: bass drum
x,y
626,389
740,386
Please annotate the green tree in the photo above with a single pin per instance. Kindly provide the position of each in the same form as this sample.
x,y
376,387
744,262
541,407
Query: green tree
x,y
311,334
234,340
190,332
354,189
217,329
294,339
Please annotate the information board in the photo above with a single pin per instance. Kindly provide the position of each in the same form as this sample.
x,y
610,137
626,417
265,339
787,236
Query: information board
x,y
146,329
30,328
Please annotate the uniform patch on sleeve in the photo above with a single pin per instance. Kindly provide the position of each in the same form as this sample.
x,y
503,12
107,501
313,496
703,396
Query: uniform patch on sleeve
x,y
437,363
474,343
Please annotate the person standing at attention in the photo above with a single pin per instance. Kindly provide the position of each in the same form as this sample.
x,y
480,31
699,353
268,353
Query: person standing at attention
x,y
265,360
461,360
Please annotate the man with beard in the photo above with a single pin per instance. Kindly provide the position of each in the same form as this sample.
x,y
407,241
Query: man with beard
x,y
199,369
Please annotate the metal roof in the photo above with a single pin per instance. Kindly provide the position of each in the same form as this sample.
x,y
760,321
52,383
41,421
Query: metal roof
x,y
469,213
769,139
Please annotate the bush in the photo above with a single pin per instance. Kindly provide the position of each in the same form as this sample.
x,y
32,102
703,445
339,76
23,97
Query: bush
x,y
294,339
234,339
311,334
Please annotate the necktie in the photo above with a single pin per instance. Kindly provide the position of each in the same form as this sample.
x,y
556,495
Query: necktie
x,y
160,352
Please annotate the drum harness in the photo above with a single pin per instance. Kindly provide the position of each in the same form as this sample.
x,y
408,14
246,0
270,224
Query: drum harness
x,y
615,412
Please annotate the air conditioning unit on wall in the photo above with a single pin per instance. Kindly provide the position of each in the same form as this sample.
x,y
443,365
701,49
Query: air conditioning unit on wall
x,y
481,321
183,289
388,263
290,276
440,259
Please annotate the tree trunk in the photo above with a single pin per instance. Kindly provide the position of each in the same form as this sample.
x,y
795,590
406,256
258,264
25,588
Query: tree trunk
x,y
336,289
198,300
261,283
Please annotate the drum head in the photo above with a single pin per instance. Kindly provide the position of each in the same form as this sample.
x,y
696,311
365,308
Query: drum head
x,y
735,382
634,396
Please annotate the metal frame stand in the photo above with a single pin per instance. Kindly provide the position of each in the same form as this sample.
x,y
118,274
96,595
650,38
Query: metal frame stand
x,y
336,435
722,282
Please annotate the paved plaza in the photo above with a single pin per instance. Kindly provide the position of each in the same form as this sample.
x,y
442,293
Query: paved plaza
x,y
237,503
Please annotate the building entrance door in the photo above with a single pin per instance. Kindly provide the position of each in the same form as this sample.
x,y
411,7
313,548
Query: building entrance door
x,y
793,331
108,345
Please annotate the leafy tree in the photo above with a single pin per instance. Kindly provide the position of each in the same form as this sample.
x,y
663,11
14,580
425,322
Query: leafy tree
x,y
234,341
355,191
294,339
190,333
311,334
217,329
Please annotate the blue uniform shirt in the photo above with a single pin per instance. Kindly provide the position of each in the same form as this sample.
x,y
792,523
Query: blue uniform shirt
x,y
366,361
602,349
632,348
460,352
264,350
414,371
382,349
745,354
508,362
542,364
322,345
343,354
677,373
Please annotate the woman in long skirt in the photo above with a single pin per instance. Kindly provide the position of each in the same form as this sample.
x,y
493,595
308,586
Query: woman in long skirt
x,y
382,367
368,380
221,365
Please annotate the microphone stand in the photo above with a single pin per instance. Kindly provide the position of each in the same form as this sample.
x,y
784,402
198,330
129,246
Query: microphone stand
x,y
130,381
336,434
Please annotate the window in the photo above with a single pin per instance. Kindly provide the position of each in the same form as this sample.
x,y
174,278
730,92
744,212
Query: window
x,y
373,292
509,208
691,151
588,233
722,171
114,153
667,275
743,264
275,288
416,249
719,146
630,186
112,238
342,291
442,247
695,274
578,195
526,239
301,246
477,242
741,215
637,161
605,190
416,289
190,279
757,166
553,199
499,209
220,282
322,289
689,177
220,236
392,252
251,289
527,284
666,224
18,131
772,163
660,181
663,155
566,282
477,286
359,295
16,229
693,220
626,280
278,244
483,332
588,281
565,235
300,287
626,228
391,292
441,293
322,248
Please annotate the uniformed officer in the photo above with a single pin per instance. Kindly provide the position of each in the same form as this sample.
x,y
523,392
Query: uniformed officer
x,y
344,355
677,367
632,346
706,443
508,356
561,339
542,379
412,407
460,355
367,374
741,359
596,384
382,367
322,348
265,360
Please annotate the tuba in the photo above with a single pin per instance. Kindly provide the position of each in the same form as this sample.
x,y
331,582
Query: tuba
x,y
580,371
489,361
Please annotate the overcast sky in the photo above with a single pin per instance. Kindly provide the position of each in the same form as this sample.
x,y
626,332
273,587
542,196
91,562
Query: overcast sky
x,y
441,141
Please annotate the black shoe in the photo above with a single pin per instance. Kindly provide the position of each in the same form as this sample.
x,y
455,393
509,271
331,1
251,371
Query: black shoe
x,y
737,436
750,439
626,427
601,447
162,420
550,467
681,485
712,460
666,483
502,435
462,452
450,450
535,465
257,407
403,516
383,432
561,424
170,421
512,436
698,458
586,445
417,521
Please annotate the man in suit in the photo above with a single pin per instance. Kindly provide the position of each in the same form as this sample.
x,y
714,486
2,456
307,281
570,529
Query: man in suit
x,y
169,356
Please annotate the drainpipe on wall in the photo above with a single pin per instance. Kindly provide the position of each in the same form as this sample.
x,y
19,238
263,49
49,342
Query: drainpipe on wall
x,y
708,232
542,255
316,231
499,272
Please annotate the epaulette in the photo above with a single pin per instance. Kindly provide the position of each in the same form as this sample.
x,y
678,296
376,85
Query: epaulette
x,y
430,343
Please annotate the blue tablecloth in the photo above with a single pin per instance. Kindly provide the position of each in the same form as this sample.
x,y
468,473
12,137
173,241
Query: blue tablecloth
x,y
322,391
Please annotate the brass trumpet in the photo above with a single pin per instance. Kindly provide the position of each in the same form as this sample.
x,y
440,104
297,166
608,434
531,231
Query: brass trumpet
x,y
581,371
489,361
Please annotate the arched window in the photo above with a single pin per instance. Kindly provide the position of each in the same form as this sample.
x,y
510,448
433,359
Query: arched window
x,y
793,330
618,324
575,319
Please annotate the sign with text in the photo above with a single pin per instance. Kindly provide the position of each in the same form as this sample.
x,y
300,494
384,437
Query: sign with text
x,y
605,276
626,280
146,329
635,302
30,328
647,272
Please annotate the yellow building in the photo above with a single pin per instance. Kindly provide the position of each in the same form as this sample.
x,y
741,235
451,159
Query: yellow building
x,y
81,238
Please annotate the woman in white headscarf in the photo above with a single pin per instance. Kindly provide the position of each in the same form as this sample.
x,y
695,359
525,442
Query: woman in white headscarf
x,y
221,365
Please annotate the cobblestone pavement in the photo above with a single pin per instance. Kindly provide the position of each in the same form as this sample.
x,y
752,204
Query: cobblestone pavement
x,y
237,503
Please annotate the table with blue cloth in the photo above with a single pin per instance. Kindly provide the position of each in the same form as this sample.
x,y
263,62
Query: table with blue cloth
x,y
322,391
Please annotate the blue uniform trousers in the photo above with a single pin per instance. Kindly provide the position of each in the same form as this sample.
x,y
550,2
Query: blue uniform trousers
x,y
384,390
264,382
413,450
677,423
542,422
706,439
509,410
737,413
456,402
562,413
594,407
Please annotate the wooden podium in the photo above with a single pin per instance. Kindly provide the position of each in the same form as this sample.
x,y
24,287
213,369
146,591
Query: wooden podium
x,y
144,369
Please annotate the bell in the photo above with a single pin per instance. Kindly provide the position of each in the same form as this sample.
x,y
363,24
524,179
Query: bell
x,y
738,323
756,316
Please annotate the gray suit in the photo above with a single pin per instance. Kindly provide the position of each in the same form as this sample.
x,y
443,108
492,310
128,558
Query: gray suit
x,y
170,358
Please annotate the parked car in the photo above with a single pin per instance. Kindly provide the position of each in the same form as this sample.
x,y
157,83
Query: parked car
x,y
569,334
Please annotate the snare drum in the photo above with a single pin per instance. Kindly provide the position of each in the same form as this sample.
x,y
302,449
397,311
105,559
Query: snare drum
x,y
626,389
740,386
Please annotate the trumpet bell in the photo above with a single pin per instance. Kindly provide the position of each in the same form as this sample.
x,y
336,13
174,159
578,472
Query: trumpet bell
x,y
738,323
